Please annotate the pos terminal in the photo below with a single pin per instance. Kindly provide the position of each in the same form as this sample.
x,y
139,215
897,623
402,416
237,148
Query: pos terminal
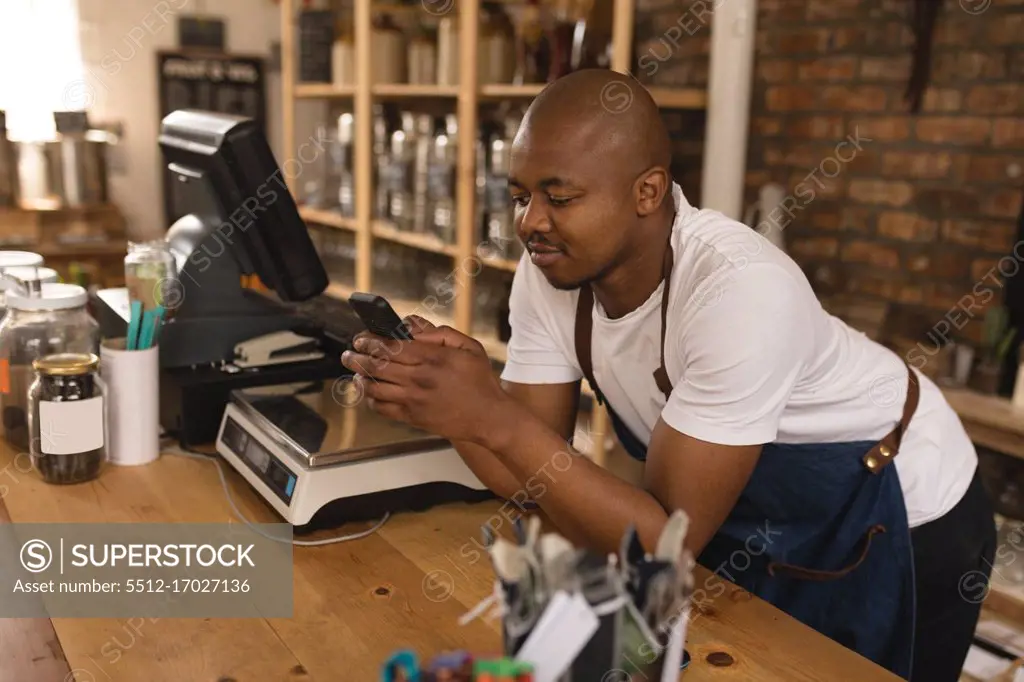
x,y
226,347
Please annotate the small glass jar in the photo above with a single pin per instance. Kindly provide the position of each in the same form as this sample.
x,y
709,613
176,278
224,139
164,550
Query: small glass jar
x,y
50,321
67,418
151,274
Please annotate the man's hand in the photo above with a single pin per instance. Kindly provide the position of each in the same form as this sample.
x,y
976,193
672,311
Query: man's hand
x,y
441,381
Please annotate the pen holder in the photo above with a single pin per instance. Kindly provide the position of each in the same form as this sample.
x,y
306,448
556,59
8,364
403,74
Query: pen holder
x,y
618,651
132,378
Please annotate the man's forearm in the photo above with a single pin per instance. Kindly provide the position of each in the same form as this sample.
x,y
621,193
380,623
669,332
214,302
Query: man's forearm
x,y
491,471
585,501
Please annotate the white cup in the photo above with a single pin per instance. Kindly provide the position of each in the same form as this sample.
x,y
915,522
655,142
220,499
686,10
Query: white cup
x,y
132,379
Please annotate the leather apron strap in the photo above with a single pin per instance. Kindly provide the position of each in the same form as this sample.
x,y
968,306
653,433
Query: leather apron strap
x,y
875,460
886,449
585,325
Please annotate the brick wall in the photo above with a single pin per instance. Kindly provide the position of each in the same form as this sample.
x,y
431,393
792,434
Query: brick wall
x,y
912,211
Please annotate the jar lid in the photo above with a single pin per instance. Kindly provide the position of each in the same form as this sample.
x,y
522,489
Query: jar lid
x,y
10,259
52,296
66,364
30,273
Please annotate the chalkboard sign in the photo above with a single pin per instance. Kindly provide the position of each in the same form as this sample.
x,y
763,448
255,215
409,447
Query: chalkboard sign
x,y
222,83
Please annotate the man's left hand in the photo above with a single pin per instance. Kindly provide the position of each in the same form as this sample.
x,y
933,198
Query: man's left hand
x,y
441,381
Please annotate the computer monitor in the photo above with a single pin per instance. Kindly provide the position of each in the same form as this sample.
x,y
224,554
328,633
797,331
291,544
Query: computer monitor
x,y
225,175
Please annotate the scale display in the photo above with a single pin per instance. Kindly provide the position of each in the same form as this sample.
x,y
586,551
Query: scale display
x,y
277,476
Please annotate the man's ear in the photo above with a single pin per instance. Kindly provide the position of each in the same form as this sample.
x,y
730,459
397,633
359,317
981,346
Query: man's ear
x,y
650,190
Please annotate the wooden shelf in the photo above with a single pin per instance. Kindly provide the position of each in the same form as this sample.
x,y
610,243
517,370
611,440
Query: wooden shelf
x,y
680,98
506,264
669,98
115,247
423,242
323,90
403,307
1004,599
327,217
399,90
990,420
507,90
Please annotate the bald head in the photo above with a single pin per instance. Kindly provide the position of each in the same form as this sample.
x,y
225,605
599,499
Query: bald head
x,y
607,113
589,176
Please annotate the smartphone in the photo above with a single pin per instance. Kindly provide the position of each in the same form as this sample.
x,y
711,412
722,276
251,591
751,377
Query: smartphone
x,y
379,317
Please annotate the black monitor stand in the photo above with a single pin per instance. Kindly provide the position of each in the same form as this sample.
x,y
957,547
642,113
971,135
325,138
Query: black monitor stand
x,y
212,311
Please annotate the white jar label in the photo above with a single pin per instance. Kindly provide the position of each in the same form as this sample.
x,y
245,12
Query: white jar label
x,y
68,428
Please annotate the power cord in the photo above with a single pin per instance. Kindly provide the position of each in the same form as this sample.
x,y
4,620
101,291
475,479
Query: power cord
x,y
182,451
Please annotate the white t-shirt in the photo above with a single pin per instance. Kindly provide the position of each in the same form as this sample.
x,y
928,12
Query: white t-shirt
x,y
752,356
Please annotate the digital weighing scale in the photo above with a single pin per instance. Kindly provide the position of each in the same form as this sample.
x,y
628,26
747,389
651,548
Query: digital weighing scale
x,y
321,457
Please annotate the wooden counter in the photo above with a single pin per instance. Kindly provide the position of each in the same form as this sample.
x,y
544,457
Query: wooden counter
x,y
355,602
990,420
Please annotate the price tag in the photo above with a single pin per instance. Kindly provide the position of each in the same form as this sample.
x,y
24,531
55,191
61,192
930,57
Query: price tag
x,y
565,627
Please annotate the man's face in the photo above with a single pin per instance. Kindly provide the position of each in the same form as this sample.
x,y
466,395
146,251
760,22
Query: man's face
x,y
573,208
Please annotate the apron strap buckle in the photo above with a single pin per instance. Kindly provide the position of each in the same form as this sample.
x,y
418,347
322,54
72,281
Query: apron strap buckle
x,y
878,457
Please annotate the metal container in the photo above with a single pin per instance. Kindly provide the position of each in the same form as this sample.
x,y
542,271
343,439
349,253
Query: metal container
x,y
344,158
401,167
500,225
8,166
380,164
423,146
82,160
441,182
422,57
67,172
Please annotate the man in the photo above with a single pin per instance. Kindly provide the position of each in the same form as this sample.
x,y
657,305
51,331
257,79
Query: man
x,y
818,470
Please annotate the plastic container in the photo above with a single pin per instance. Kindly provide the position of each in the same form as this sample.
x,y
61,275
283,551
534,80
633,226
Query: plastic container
x,y
131,379
23,275
67,418
12,259
53,321
15,259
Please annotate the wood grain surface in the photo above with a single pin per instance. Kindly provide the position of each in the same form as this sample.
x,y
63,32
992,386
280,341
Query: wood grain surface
x,y
355,602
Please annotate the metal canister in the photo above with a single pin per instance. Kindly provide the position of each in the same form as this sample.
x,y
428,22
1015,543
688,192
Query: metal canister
x,y
441,195
380,168
500,228
400,173
8,166
67,418
344,158
422,210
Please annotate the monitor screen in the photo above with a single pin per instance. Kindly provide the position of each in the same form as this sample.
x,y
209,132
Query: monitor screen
x,y
226,175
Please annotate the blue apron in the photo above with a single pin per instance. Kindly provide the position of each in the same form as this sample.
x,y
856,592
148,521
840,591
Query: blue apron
x,y
820,531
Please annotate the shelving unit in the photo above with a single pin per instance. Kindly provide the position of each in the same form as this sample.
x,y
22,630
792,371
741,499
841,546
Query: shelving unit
x,y
468,96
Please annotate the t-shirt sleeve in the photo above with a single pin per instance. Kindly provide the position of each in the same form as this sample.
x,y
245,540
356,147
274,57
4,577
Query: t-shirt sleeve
x,y
744,350
535,353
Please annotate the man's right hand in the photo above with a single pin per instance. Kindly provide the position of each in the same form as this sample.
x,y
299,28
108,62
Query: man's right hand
x,y
556,404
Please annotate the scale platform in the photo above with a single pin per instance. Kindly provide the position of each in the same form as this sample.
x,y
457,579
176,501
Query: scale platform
x,y
321,457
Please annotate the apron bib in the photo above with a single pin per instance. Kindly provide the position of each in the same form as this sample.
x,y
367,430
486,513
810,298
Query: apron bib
x,y
820,530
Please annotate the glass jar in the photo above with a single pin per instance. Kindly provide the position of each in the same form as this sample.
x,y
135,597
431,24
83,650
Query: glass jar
x,y
51,321
151,274
67,418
